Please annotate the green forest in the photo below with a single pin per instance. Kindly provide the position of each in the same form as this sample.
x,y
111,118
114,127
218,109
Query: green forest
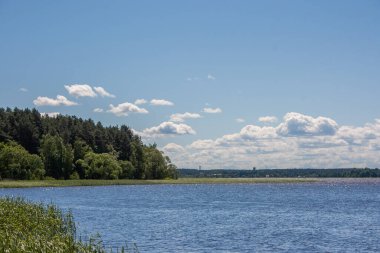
x,y
34,147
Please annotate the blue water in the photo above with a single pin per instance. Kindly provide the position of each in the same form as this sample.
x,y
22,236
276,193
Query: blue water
x,y
333,216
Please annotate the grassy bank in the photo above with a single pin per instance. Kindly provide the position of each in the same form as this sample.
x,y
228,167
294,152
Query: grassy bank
x,y
29,227
87,182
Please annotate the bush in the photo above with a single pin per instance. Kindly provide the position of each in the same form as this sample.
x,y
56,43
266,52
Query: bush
x,y
18,163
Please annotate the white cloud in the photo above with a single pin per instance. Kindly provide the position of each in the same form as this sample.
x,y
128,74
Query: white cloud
x,y
202,144
46,101
210,77
256,132
161,102
102,92
212,110
240,120
167,128
50,114
268,119
125,108
23,89
98,110
80,90
173,147
180,117
300,141
140,101
296,124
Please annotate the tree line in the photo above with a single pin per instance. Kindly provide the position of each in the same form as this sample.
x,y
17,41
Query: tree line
x,y
228,173
33,146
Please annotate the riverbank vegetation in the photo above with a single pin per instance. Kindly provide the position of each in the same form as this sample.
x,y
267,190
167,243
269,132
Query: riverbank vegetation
x,y
29,227
89,182
34,147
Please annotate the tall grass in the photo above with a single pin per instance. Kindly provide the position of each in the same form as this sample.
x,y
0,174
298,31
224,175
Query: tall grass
x,y
90,182
30,227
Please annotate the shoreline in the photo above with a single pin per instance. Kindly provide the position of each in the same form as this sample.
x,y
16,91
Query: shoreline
x,y
181,181
94,182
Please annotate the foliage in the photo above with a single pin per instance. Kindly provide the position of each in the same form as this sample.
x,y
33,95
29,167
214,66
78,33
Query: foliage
x,y
29,227
57,157
127,170
17,163
157,166
100,166
72,147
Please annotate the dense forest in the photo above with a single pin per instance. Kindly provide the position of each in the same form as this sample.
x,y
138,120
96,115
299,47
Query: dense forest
x,y
365,172
33,146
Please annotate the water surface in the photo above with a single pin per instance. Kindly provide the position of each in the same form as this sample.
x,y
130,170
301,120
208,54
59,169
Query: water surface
x,y
329,216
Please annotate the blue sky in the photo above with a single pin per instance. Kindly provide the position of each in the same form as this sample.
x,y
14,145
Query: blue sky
x,y
251,59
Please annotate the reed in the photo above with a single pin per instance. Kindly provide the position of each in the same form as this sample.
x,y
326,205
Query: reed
x,y
37,228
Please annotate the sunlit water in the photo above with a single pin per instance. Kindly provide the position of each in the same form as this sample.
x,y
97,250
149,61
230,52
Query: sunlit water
x,y
333,216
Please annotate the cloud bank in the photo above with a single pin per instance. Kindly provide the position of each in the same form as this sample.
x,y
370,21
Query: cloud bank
x,y
299,141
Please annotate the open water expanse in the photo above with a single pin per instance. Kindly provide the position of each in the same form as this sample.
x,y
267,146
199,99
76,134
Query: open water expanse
x,y
329,216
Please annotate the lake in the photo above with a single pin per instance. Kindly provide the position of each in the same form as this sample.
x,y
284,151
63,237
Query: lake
x,y
328,216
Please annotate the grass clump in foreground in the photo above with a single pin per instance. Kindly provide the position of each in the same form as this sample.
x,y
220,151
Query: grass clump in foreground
x,y
29,227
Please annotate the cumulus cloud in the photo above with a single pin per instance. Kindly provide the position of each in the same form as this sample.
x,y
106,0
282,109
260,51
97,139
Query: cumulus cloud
x,y
50,114
240,120
125,108
140,101
161,102
256,132
268,119
23,89
102,92
181,117
46,101
167,128
299,141
212,110
98,110
202,144
296,124
80,90
359,135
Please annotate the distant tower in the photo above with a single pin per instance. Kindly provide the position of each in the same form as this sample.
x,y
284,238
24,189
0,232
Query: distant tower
x,y
200,167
